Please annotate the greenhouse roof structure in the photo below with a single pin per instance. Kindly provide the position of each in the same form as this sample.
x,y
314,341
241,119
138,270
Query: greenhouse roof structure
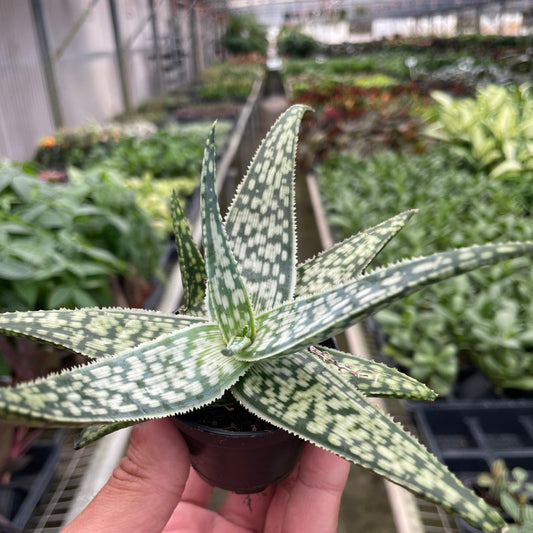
x,y
374,8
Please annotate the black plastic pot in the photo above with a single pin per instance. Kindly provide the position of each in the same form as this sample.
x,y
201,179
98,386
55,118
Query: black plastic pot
x,y
244,462
468,436
240,461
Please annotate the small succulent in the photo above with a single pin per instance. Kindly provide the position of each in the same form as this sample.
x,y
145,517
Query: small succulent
x,y
512,492
254,329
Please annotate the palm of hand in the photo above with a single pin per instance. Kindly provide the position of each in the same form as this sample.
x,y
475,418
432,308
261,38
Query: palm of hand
x,y
154,490
308,500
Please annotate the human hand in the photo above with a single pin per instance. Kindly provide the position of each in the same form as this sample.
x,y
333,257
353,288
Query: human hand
x,y
154,490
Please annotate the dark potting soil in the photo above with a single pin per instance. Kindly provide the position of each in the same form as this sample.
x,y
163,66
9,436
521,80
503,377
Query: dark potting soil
x,y
228,414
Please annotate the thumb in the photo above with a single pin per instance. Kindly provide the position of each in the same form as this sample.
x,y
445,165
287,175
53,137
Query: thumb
x,y
145,487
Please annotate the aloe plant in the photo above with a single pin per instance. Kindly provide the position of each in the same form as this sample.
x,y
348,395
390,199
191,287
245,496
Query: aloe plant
x,y
253,329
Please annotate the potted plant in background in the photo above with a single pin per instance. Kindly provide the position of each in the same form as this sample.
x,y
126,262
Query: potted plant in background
x,y
511,491
255,334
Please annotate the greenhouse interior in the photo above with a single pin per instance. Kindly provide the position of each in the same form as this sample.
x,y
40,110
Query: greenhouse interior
x,y
214,252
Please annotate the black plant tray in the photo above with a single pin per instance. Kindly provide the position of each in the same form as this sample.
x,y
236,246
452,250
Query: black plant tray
x,y
19,498
468,436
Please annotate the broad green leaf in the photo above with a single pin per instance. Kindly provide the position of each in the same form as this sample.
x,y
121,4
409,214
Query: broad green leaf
x,y
83,298
372,378
94,432
60,296
156,379
93,332
505,122
13,269
28,291
506,167
347,260
511,506
29,251
261,220
25,186
297,394
190,260
298,324
227,296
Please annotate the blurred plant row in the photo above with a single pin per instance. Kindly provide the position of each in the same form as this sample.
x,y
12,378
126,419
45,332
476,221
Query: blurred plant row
x,y
151,161
95,239
86,222
390,134
73,244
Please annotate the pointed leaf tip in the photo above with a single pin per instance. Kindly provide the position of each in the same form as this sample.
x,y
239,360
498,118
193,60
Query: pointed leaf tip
x,y
349,258
261,220
190,259
228,299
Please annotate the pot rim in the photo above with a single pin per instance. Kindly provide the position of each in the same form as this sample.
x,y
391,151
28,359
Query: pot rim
x,y
232,433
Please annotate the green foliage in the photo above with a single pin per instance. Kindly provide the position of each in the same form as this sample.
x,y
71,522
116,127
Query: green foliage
x,y
228,81
408,63
152,196
464,74
322,66
511,491
82,146
493,131
375,80
137,148
61,243
483,317
244,35
152,162
255,334
294,43
170,152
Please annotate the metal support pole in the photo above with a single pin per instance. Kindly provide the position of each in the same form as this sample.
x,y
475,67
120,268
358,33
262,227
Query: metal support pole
x,y
120,56
48,66
156,49
195,44
502,9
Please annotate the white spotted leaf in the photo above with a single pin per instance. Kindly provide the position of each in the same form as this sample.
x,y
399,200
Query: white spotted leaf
x,y
94,432
190,259
310,320
347,259
172,374
261,220
150,365
298,394
372,378
93,332
228,299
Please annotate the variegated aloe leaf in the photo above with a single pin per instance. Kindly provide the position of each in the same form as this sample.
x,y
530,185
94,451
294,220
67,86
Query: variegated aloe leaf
x,y
94,432
298,324
260,222
372,378
347,259
228,298
172,374
93,332
190,259
296,393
